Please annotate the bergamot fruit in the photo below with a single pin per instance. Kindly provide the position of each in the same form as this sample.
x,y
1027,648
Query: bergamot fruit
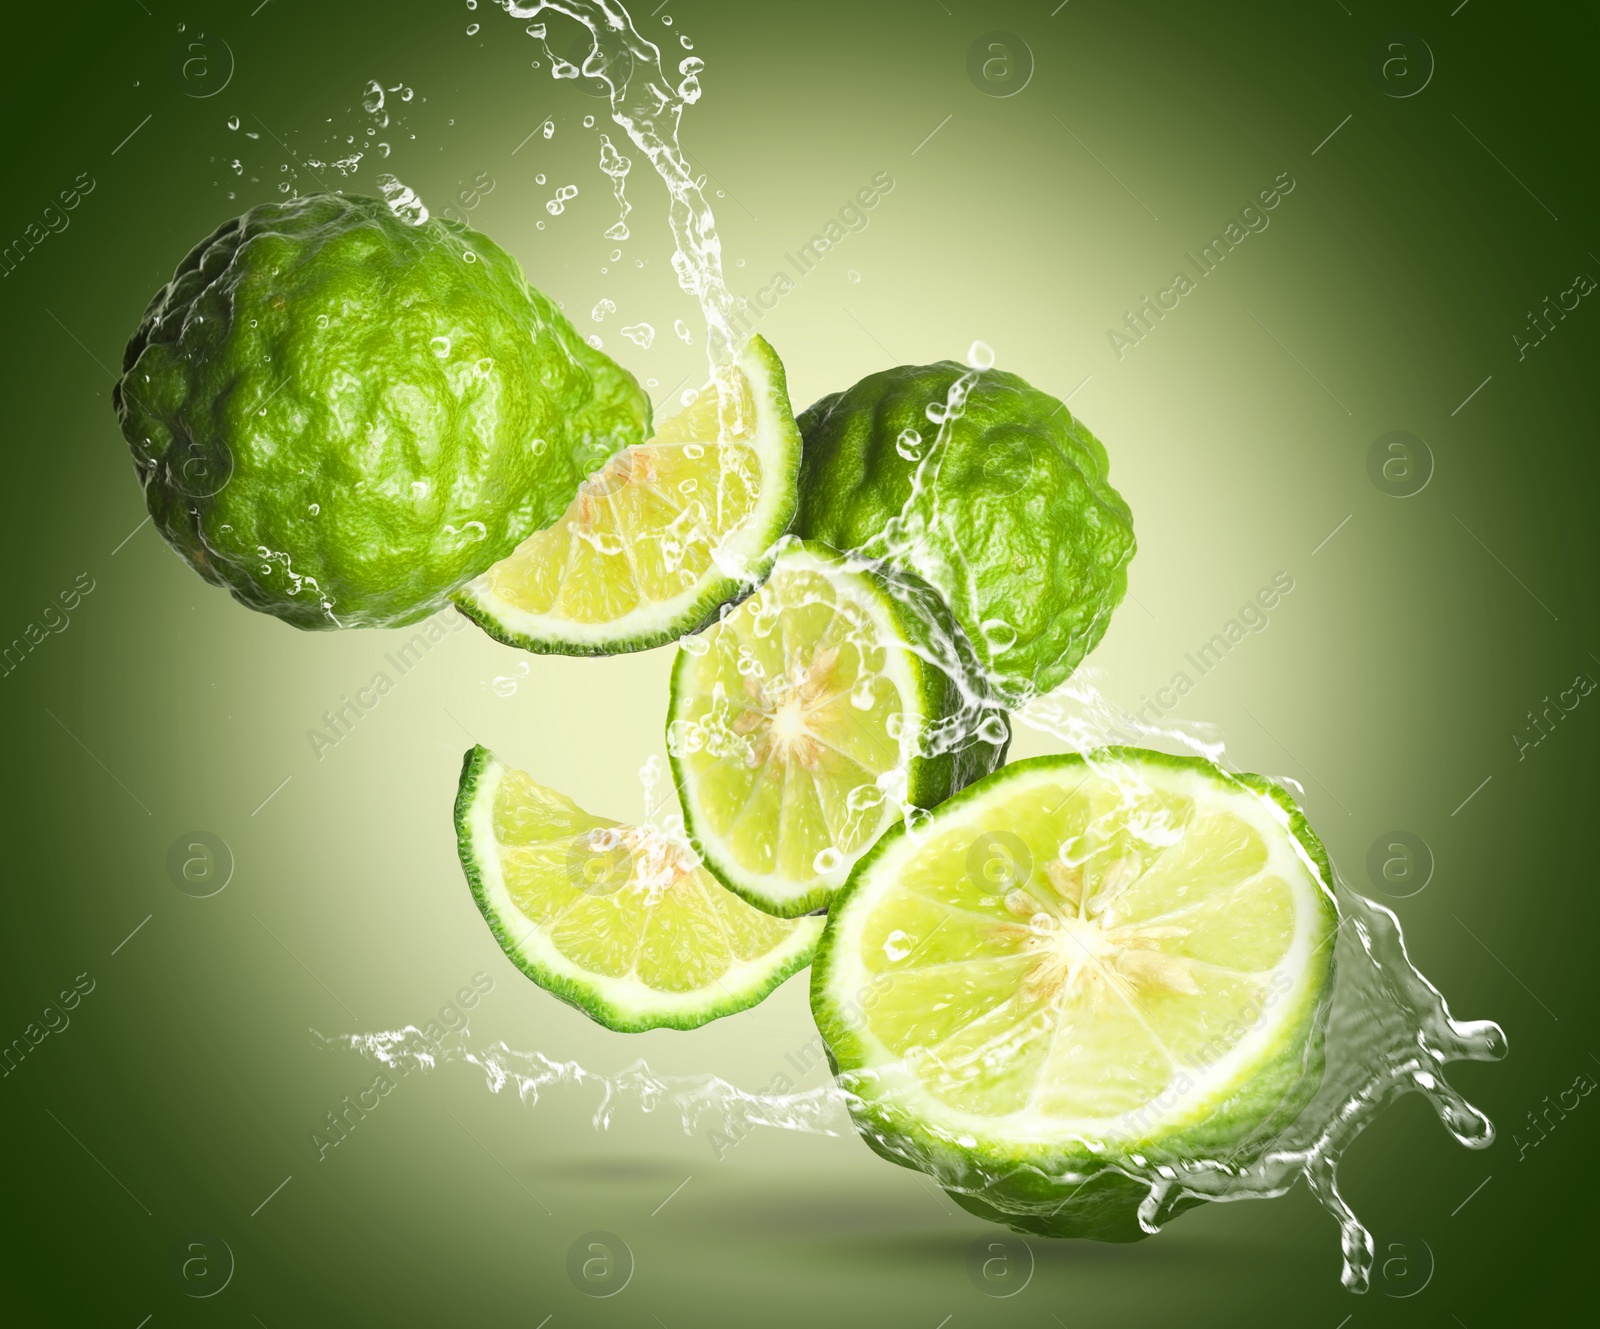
x,y
664,534
1006,510
342,414
619,921
1086,969
833,702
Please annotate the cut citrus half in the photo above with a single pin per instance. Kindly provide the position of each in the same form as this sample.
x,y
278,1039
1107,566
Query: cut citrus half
x,y
1086,968
615,920
813,716
661,536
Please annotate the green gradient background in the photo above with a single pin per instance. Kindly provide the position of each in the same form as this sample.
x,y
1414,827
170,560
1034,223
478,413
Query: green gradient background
x,y
1390,682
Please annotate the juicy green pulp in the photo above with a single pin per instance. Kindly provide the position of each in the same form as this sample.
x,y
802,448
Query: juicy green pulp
x,y
1025,1184
921,631
1024,524
333,413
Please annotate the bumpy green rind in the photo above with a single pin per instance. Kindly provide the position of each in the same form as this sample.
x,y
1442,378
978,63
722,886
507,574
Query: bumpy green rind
x,y
1025,1189
335,414
771,521
947,682
589,997
1023,525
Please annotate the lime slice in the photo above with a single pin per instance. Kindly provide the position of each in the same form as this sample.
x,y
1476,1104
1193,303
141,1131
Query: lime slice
x,y
1085,968
812,716
661,536
614,920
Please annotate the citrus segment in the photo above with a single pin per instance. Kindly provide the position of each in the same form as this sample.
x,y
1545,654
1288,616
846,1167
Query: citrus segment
x,y
663,534
615,920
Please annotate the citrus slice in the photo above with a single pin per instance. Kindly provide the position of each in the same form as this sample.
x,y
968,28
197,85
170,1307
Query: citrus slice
x,y
661,536
1087,967
813,716
615,920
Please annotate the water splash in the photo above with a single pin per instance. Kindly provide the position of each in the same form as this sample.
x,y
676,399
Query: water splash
x,y
701,1101
1388,1029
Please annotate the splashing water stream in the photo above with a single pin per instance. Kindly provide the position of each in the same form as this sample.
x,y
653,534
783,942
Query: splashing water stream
x,y
1389,1031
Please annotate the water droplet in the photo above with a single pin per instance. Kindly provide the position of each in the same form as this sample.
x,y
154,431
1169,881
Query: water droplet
x,y
993,730
682,329
588,122
694,645
689,396
999,634
539,179
853,276
640,334
601,309
314,508
615,255
827,860
441,346
897,945
908,443
233,122
594,340
322,320
536,30
686,43
402,201
538,447
980,355
472,29
469,256
372,98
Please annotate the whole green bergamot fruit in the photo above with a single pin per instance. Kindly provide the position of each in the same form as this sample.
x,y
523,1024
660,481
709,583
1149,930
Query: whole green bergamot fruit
x,y
1006,509
342,413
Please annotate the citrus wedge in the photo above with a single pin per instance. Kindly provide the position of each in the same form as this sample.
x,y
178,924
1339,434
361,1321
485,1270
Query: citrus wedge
x,y
661,536
1086,968
813,716
613,919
